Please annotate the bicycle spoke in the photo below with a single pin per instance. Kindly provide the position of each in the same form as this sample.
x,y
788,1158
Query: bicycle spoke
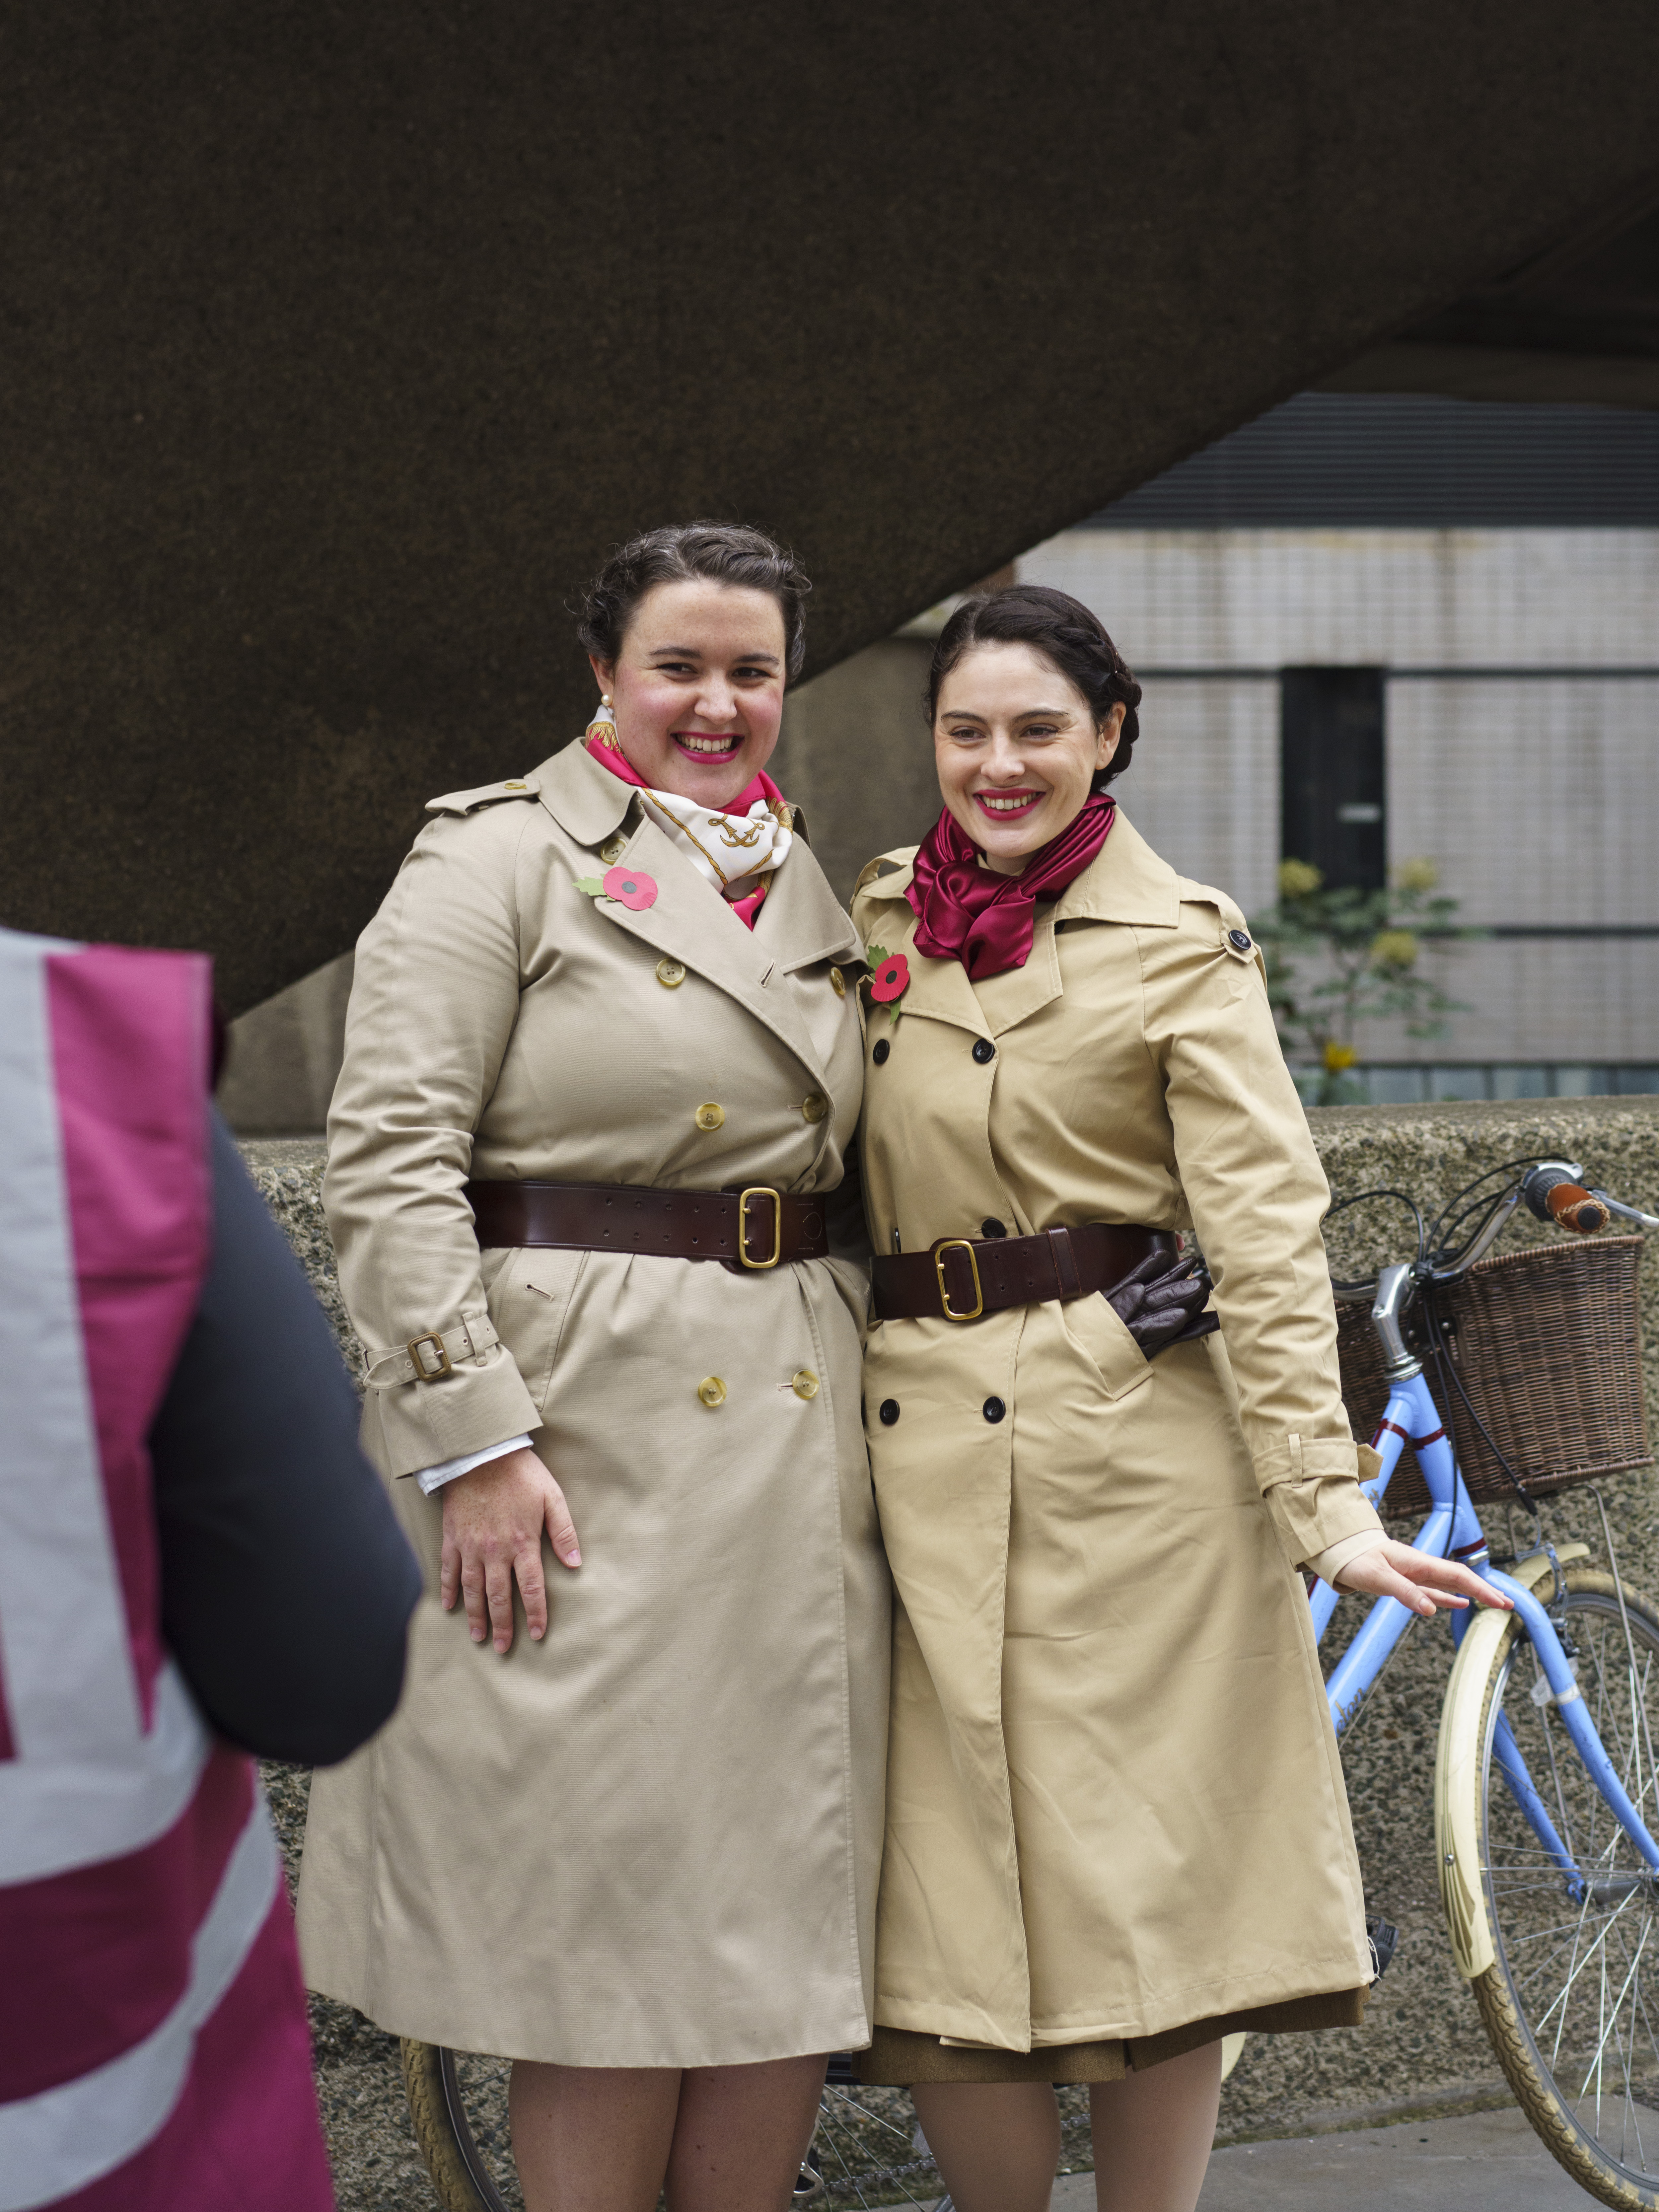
x,y
842,2097
861,2141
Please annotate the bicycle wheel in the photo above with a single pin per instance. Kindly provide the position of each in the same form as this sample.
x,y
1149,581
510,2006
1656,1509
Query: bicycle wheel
x,y
863,2152
1568,1978
457,2108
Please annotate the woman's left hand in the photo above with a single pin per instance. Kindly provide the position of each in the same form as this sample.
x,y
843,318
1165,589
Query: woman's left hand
x,y
1417,1579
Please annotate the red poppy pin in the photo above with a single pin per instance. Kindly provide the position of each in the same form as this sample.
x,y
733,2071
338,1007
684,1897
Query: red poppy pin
x,y
889,978
627,886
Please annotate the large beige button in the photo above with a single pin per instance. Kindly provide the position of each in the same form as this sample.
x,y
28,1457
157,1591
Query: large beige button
x,y
814,1106
710,1117
838,982
612,853
804,1383
670,973
712,1390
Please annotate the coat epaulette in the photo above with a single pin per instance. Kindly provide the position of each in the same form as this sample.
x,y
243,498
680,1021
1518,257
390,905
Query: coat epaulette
x,y
1231,927
483,794
886,864
1192,894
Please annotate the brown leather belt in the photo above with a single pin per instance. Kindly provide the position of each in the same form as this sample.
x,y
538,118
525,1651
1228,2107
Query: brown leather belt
x,y
960,1277
743,1229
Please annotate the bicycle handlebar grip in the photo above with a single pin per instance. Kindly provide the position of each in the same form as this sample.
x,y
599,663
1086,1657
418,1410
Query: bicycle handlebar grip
x,y
1573,1207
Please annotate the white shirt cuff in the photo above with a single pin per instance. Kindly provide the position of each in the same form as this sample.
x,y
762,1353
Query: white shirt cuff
x,y
1328,1564
434,1477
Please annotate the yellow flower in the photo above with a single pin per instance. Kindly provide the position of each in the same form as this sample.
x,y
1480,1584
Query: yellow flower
x,y
1338,1056
1394,948
1298,879
1417,875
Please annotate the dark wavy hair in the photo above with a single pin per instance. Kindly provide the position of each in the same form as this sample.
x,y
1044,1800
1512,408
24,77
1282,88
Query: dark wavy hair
x,y
1067,634
724,552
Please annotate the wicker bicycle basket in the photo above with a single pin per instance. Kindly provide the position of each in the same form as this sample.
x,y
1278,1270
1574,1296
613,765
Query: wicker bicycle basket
x,y
1547,1344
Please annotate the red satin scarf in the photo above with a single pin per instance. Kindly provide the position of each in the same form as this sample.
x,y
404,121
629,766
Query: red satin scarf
x,y
986,921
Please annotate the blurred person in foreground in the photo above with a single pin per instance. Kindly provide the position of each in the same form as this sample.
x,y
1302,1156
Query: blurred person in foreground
x,y
195,1564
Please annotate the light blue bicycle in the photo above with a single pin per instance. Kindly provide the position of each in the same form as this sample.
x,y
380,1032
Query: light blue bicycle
x,y
1545,1788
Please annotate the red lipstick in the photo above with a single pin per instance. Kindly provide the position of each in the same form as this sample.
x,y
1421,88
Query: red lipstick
x,y
1004,812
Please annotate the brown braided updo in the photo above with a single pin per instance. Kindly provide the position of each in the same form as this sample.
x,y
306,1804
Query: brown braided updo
x,y
1065,632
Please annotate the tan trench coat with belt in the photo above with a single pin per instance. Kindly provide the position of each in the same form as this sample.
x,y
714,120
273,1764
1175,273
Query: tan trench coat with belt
x,y
1114,1805
651,1839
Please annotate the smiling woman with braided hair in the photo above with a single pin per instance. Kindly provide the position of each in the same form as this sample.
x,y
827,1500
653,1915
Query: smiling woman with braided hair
x,y
1115,1823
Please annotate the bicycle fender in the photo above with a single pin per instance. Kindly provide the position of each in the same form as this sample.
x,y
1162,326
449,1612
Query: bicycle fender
x,y
1457,1773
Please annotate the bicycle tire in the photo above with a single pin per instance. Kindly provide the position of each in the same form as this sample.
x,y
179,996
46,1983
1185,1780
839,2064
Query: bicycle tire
x,y
1527,1948
453,2159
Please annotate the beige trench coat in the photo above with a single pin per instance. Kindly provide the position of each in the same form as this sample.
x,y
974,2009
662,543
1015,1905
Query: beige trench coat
x,y
1114,1805
652,1839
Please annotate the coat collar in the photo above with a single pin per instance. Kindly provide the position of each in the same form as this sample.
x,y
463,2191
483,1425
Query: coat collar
x,y
1125,882
582,797
799,923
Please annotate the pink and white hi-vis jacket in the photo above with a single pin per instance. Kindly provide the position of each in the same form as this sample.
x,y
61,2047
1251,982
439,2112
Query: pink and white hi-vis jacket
x,y
153,2043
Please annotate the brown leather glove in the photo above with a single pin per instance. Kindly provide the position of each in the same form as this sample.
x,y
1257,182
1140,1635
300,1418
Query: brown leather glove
x,y
1161,1305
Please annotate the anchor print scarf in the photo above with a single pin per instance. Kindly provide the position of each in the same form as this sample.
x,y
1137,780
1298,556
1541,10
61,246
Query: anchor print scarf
x,y
735,851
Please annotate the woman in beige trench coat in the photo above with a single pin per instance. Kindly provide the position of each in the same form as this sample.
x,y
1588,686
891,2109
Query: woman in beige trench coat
x,y
1115,1821
637,1853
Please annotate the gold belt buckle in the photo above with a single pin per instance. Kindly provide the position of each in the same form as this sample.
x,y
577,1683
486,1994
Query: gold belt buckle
x,y
759,1190
957,1244
423,1372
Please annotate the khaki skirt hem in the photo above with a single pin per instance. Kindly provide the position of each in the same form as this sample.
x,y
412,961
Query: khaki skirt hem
x,y
898,2057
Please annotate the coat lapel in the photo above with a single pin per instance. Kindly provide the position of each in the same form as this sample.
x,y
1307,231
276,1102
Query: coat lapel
x,y
802,919
690,922
799,923
938,990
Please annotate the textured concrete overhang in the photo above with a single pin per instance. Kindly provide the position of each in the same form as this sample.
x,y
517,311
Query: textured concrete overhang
x,y
1578,322
341,339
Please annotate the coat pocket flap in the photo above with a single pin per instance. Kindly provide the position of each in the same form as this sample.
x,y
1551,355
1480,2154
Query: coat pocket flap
x,y
1106,1345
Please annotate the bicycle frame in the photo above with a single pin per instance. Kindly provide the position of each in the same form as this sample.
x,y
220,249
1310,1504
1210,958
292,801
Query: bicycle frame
x,y
1454,1527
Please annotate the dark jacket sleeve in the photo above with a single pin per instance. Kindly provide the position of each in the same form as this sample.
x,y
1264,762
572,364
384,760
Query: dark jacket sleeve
x,y
286,1582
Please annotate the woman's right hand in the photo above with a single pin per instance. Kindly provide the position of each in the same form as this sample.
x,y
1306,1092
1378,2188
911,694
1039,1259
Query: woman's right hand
x,y
494,1517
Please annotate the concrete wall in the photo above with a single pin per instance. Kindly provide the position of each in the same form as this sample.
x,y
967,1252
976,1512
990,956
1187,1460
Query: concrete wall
x,y
1423,2045
282,1058
1535,795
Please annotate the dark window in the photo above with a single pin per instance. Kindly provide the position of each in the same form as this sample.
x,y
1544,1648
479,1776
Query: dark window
x,y
1331,758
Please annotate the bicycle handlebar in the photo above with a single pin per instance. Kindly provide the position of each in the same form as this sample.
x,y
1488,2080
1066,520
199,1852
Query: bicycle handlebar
x,y
1575,1208
1554,1191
